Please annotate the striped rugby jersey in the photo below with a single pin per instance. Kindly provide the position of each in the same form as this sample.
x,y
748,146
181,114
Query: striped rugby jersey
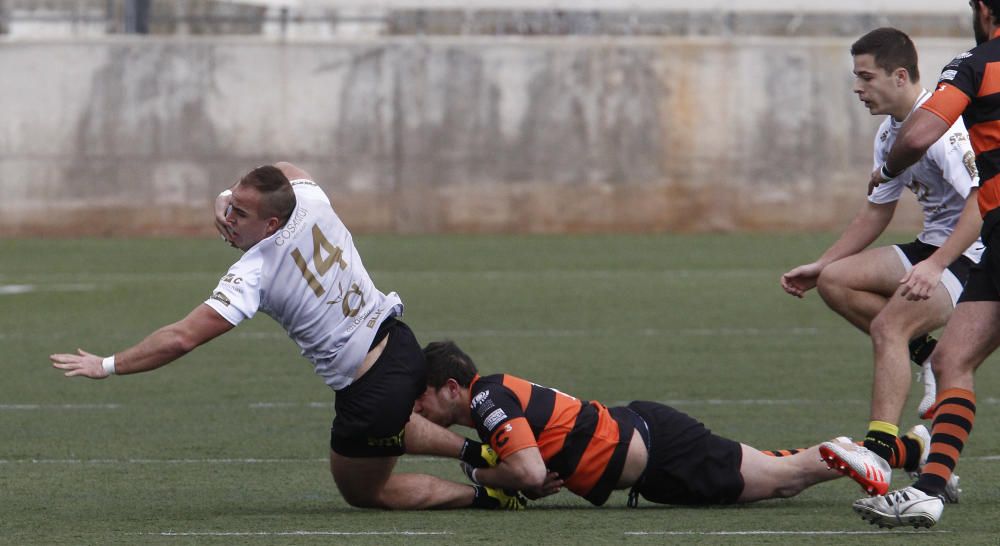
x,y
970,87
583,441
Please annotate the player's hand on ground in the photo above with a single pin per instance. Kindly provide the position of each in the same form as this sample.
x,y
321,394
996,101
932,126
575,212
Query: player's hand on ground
x,y
800,280
222,203
552,485
919,282
82,363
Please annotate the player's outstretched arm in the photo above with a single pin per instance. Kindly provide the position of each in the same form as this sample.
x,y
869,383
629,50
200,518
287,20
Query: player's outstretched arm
x,y
161,347
866,226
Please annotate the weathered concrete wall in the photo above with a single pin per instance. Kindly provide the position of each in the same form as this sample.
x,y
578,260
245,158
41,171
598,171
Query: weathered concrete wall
x,y
124,136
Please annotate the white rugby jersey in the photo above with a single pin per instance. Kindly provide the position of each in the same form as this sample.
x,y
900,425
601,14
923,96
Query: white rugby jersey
x,y
941,180
308,276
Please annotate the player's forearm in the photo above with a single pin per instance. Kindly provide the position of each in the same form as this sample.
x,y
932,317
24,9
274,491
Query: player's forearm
x,y
508,475
966,230
161,347
866,226
921,130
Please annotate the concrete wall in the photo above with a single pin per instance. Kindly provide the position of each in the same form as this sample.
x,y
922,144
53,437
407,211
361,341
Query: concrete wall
x,y
136,136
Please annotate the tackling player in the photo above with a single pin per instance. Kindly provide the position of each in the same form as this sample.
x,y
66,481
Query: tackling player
x,y
547,439
898,293
968,89
300,267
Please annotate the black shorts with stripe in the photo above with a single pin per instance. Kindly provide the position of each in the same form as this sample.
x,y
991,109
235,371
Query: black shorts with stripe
x,y
984,278
372,411
687,463
918,251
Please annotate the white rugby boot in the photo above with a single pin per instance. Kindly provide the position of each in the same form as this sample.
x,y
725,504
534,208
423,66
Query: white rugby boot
x,y
952,491
907,506
871,472
925,409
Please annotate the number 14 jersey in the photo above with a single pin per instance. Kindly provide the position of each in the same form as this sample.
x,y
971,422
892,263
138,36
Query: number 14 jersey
x,y
308,276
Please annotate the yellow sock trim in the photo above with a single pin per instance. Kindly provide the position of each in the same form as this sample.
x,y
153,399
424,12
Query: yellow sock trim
x,y
882,426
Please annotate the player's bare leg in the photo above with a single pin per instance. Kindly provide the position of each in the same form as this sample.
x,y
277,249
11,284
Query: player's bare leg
x,y
891,331
371,483
858,287
423,437
767,477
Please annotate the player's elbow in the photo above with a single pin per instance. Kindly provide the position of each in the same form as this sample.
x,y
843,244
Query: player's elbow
x,y
530,477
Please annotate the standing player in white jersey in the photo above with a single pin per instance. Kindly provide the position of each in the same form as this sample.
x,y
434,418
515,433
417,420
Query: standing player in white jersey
x,y
898,294
300,267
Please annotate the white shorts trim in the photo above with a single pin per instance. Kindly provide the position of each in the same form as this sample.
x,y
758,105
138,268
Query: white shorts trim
x,y
948,279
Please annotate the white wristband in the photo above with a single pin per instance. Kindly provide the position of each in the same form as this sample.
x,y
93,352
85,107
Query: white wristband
x,y
226,193
109,365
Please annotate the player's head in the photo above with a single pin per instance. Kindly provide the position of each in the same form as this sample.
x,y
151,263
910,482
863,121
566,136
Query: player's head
x,y
885,71
262,202
449,373
984,14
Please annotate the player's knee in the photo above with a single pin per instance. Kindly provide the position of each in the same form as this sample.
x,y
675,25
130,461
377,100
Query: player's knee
x,y
361,498
830,283
886,330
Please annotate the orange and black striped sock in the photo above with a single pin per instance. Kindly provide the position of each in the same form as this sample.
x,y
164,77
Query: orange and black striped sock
x,y
956,411
781,452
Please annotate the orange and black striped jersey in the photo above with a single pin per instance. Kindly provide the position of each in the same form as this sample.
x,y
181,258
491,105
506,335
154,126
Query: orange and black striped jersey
x,y
584,442
970,87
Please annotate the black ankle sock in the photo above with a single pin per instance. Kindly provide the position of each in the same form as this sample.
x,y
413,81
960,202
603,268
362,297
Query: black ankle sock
x,y
921,348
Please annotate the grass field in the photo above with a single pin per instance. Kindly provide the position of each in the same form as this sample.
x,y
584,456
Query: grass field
x,y
229,444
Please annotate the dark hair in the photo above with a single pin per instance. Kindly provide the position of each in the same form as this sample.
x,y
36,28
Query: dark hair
x,y
892,49
994,6
446,361
277,196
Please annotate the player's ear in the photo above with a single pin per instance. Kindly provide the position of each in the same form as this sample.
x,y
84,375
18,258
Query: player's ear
x,y
454,389
273,223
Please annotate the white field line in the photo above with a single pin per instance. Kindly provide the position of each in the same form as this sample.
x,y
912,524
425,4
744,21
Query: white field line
x,y
36,407
768,533
13,289
293,533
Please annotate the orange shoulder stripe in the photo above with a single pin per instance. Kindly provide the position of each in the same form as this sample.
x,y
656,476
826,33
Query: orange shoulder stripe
x,y
947,103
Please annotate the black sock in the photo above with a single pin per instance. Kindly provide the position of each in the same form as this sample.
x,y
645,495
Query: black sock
x,y
881,444
921,348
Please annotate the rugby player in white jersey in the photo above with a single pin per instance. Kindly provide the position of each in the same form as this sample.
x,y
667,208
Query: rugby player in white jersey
x,y
898,294
300,267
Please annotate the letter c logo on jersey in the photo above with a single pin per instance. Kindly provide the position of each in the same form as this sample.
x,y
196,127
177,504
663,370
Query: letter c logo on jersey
x,y
502,438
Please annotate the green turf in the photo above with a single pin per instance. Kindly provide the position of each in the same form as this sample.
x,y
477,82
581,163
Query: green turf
x,y
233,438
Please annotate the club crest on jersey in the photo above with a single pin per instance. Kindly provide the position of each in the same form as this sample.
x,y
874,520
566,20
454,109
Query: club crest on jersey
x,y
969,159
219,296
884,136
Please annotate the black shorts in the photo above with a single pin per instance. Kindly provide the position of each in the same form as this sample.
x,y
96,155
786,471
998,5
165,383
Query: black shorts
x,y
372,411
985,276
918,251
687,463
